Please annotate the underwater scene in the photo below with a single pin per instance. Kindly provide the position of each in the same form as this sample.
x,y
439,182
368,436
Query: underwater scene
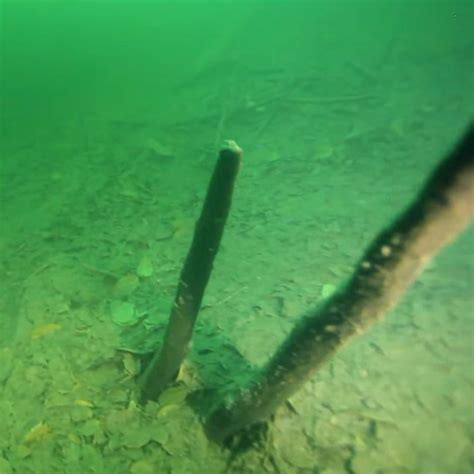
x,y
328,328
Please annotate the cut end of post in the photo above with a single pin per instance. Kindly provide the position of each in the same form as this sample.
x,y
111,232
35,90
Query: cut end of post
x,y
231,146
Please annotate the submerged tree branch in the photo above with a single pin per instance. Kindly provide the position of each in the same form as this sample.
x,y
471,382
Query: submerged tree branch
x,y
443,209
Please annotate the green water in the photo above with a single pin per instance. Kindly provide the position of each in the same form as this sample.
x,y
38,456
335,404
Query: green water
x,y
112,113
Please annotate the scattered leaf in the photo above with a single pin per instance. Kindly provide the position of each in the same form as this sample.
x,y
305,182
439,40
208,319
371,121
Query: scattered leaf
x,y
80,413
145,267
123,313
22,451
84,403
91,428
126,285
166,409
74,438
5,467
37,433
44,329
159,149
174,395
324,151
142,467
131,364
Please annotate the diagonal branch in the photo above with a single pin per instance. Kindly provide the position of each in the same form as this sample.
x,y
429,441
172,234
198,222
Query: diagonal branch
x,y
443,209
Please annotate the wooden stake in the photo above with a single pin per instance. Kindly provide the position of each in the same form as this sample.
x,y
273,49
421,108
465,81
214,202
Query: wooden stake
x,y
195,275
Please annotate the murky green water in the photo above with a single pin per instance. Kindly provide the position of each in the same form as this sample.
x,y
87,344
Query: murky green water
x,y
111,117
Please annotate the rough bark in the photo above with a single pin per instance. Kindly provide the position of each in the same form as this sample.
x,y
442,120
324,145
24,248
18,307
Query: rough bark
x,y
443,209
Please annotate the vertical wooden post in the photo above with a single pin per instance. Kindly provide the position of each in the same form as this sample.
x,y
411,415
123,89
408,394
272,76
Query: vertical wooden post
x,y
195,274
